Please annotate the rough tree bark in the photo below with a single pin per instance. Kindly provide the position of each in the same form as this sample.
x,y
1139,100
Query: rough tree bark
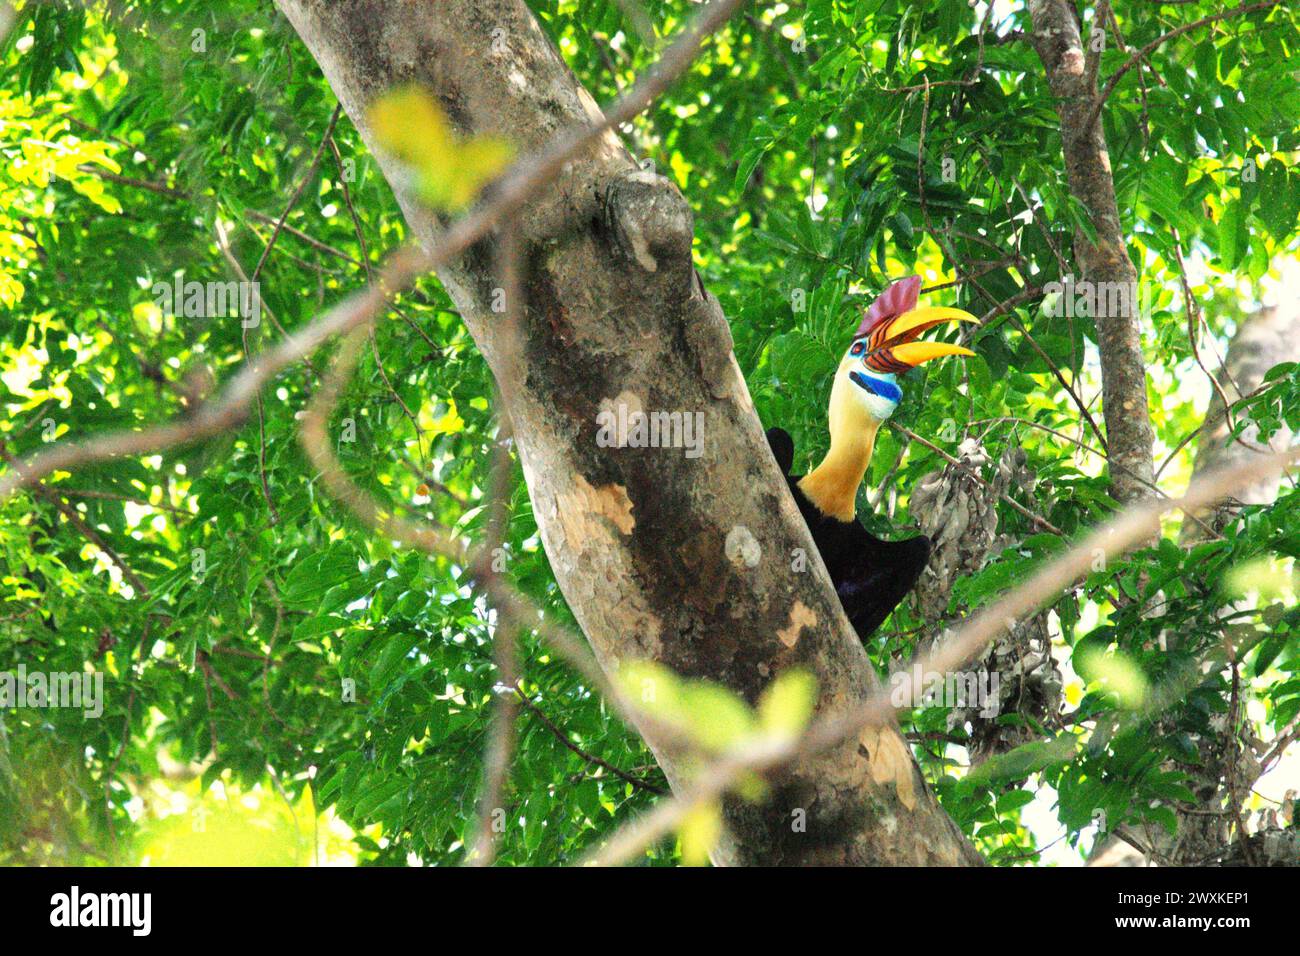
x,y
684,561
1072,76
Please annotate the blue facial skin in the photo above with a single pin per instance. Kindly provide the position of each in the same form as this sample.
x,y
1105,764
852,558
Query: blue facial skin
x,y
886,388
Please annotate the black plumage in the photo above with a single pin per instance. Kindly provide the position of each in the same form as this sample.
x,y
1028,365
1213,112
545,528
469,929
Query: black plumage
x,y
871,576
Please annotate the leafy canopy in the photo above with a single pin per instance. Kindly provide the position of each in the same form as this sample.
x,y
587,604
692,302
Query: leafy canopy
x,y
826,148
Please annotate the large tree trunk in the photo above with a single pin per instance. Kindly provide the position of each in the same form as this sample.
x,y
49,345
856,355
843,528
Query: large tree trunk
x,y
685,561
1072,76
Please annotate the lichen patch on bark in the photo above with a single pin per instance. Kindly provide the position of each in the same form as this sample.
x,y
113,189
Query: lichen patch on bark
x,y
742,548
587,512
889,761
801,616
628,400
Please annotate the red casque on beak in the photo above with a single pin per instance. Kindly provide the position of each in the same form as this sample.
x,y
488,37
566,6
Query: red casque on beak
x,y
893,323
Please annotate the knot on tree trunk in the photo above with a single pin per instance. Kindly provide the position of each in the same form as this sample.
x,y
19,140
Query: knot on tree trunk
x,y
649,222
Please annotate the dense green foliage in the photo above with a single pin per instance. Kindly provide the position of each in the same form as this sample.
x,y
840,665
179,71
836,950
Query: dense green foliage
x,y
826,149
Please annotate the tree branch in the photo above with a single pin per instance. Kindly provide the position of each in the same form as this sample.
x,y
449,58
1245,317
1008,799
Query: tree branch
x,y
1100,99
1131,528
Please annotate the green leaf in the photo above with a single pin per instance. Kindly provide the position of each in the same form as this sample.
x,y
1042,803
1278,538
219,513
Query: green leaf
x,y
1232,236
1022,761
315,574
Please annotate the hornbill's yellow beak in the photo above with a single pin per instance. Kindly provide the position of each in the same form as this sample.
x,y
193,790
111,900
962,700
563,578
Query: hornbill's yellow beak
x,y
892,345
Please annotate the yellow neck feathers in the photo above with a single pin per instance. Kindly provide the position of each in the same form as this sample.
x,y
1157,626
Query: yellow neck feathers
x,y
833,485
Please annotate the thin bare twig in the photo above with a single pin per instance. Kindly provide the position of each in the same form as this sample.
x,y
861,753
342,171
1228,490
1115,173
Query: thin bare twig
x,y
1284,739
1194,323
977,477
496,764
1084,446
90,534
374,344
307,177
559,734
1096,44
171,192
1142,53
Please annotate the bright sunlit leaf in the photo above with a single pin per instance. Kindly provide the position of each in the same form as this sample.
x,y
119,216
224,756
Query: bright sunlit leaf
x,y
787,705
1117,674
699,832
450,171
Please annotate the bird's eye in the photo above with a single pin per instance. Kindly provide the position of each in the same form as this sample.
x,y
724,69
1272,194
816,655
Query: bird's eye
x,y
857,348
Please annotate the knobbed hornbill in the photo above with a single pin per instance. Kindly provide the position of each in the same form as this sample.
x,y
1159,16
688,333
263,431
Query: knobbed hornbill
x,y
871,576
